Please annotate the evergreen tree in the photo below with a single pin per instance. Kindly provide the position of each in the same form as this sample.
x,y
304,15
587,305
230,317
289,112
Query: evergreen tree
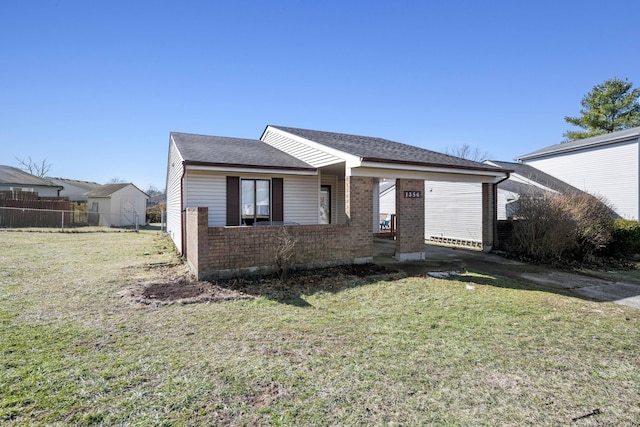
x,y
609,107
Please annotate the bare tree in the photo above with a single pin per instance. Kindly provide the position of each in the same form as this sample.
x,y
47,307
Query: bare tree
x,y
117,180
40,169
465,151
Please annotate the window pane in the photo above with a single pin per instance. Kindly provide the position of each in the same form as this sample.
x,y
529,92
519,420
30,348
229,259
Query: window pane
x,y
262,198
248,202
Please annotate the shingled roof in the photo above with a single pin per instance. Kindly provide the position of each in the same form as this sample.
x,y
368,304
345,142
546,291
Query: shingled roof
x,y
108,189
385,151
105,190
535,175
239,152
11,175
580,144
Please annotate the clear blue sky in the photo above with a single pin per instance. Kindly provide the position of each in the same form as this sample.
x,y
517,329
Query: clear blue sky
x,y
96,87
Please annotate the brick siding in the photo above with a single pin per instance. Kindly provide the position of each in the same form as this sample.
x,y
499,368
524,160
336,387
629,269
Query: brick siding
x,y
410,220
489,217
219,252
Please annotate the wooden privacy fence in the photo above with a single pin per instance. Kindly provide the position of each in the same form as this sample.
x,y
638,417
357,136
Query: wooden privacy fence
x,y
25,209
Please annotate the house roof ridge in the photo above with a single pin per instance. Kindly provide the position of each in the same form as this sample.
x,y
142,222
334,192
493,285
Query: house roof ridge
x,y
382,150
594,141
197,149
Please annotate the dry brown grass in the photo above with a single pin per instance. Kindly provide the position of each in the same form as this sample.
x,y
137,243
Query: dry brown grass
x,y
413,351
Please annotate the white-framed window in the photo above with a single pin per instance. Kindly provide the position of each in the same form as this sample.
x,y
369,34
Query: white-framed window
x,y
255,196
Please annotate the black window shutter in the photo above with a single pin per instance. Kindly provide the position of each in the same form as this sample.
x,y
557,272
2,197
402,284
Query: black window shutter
x,y
277,198
233,200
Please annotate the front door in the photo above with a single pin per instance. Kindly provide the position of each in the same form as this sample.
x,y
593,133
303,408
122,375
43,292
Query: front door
x,y
325,204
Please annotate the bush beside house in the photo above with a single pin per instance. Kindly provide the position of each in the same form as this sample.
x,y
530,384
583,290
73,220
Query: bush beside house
x,y
626,238
558,228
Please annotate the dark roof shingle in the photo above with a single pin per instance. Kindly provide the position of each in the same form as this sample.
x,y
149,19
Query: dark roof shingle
x,y
11,175
535,175
106,190
218,150
383,150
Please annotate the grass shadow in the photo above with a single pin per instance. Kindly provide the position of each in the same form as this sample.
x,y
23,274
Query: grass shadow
x,y
499,271
308,282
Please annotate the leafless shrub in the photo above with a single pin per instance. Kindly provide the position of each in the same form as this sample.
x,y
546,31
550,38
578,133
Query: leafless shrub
x,y
544,231
285,252
554,227
594,223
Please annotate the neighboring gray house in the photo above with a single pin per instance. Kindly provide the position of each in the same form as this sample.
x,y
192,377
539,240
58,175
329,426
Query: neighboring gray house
x,y
229,198
606,165
525,182
14,179
73,189
117,205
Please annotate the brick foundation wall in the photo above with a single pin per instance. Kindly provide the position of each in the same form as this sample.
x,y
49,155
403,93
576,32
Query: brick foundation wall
x,y
221,252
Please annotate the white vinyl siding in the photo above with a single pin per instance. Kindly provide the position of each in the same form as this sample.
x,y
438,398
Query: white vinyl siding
x,y
304,152
203,189
209,189
610,171
301,199
376,206
174,204
504,203
388,200
453,210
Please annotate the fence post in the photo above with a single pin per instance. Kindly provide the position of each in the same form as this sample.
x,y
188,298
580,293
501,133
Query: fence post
x,y
135,219
62,222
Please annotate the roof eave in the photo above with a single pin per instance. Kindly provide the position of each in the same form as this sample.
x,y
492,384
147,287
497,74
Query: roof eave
x,y
24,184
563,150
436,165
238,165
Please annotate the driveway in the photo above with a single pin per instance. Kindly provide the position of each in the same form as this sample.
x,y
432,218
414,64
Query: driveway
x,y
443,259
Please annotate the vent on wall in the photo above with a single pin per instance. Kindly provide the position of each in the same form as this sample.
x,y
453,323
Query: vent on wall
x,y
449,241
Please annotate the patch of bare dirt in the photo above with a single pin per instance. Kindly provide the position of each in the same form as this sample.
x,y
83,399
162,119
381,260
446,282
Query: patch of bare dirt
x,y
176,286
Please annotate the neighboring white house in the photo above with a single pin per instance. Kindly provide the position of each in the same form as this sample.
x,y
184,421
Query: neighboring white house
x,y
606,165
117,205
14,179
73,189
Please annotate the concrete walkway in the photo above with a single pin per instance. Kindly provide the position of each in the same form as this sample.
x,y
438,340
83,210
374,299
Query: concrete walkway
x,y
443,259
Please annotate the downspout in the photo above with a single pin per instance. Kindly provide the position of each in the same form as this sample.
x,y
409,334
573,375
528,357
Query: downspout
x,y
496,241
183,225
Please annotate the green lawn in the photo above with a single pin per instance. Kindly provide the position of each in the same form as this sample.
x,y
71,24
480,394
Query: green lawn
x,y
414,351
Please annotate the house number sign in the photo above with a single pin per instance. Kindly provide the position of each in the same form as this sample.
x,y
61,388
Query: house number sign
x,y
413,194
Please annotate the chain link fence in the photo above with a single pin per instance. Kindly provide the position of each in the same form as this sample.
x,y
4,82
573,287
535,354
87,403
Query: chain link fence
x,y
19,217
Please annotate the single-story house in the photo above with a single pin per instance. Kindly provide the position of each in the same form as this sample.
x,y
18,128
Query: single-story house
x,y
73,189
525,182
117,205
230,200
14,179
605,165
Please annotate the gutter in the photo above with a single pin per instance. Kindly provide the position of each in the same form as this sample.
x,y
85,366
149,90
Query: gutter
x,y
562,150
